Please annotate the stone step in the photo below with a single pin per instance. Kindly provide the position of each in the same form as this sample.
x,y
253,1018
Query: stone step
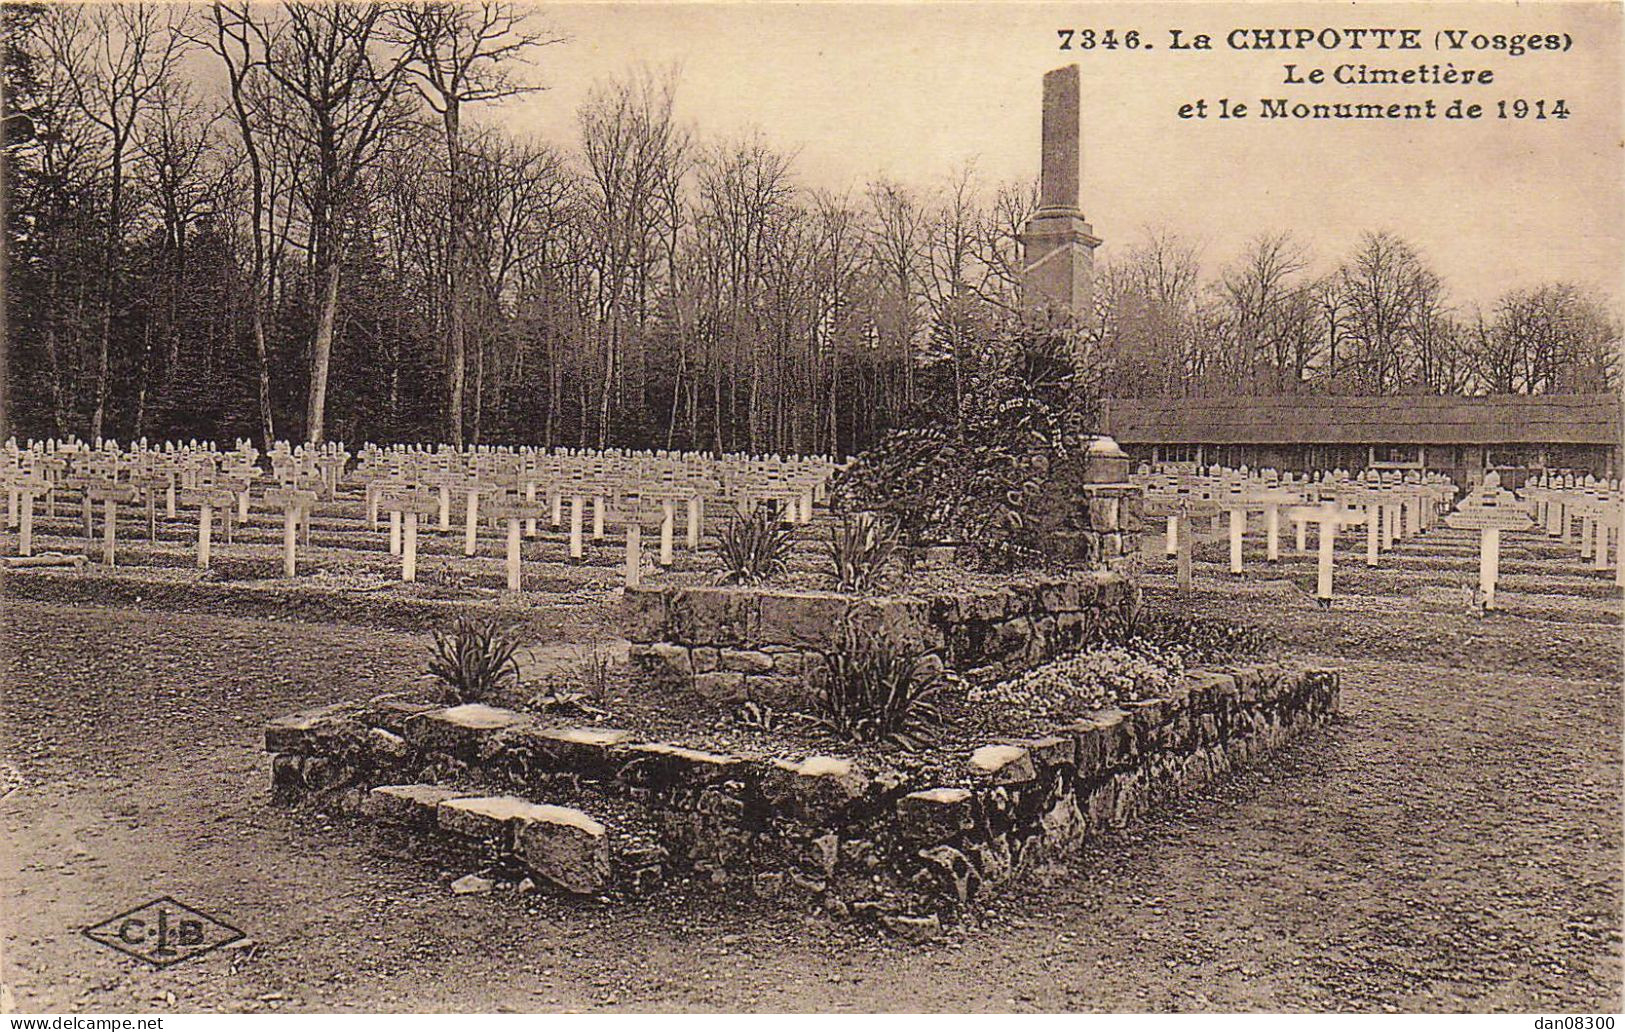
x,y
561,846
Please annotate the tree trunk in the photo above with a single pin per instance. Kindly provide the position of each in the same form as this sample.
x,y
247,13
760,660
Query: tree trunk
x,y
456,330
262,360
321,354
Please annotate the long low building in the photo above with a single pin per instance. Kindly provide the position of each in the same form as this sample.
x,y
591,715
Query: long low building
x,y
1516,435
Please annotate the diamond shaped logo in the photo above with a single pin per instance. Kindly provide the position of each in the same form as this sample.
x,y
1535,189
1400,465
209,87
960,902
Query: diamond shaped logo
x,y
163,932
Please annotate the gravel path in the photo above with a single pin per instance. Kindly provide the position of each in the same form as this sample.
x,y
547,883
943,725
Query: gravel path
x,y
1454,843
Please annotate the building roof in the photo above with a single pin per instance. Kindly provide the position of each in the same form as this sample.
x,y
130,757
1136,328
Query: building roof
x,y
1319,419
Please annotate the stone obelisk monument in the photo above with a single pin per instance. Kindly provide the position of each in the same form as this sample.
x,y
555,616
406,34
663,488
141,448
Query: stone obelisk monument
x,y
1057,245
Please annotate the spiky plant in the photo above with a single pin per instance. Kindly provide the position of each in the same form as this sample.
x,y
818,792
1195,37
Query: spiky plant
x,y
474,660
755,547
859,549
876,690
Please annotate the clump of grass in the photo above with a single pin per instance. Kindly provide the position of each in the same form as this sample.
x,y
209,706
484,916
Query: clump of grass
x,y
876,690
859,549
755,547
474,661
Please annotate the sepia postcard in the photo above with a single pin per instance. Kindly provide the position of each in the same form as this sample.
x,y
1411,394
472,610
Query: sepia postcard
x,y
726,508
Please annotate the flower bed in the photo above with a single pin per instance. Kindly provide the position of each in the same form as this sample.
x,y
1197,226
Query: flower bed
x,y
598,810
726,645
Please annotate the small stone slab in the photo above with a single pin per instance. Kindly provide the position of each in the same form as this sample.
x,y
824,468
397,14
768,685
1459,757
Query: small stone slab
x,y
816,790
485,817
1096,737
659,765
1004,764
460,730
1051,751
308,731
407,804
579,750
936,814
566,847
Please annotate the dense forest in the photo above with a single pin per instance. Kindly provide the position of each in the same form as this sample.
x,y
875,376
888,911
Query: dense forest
x,y
304,221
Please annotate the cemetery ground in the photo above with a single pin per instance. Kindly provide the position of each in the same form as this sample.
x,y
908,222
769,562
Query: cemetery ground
x,y
1452,842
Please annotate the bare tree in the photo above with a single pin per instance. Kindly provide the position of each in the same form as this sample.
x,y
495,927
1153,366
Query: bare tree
x,y
633,147
341,98
113,58
460,54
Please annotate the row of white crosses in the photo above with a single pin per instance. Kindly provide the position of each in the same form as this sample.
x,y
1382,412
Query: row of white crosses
x,y
1391,505
412,485
1562,504
108,475
524,487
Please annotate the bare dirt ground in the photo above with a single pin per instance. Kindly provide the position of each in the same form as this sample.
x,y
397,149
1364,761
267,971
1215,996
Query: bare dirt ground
x,y
1453,843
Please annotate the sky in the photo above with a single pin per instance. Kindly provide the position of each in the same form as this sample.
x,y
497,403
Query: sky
x,y
913,91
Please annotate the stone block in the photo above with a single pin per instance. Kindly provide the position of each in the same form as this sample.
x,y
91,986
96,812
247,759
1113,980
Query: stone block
x,y
460,731
802,619
904,622
787,663
951,871
1096,740
314,731
644,614
747,661
586,751
992,860
1105,513
413,805
566,847
714,616
1051,751
984,606
721,687
783,694
392,714
287,780
1059,596
484,818
670,767
819,790
665,664
323,774
1010,638
1004,764
387,747
936,814
705,658
1063,825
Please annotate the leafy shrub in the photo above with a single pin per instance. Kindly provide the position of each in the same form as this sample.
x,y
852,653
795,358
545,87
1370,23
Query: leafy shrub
x,y
973,470
474,661
859,549
755,548
876,691
1087,680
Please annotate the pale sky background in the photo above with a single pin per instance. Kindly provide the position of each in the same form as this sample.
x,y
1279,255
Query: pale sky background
x,y
914,90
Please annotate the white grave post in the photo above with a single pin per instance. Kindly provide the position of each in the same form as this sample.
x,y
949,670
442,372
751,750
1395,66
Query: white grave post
x,y
1238,525
1489,510
693,525
576,502
668,524
1328,516
634,540
471,517
514,530
409,544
